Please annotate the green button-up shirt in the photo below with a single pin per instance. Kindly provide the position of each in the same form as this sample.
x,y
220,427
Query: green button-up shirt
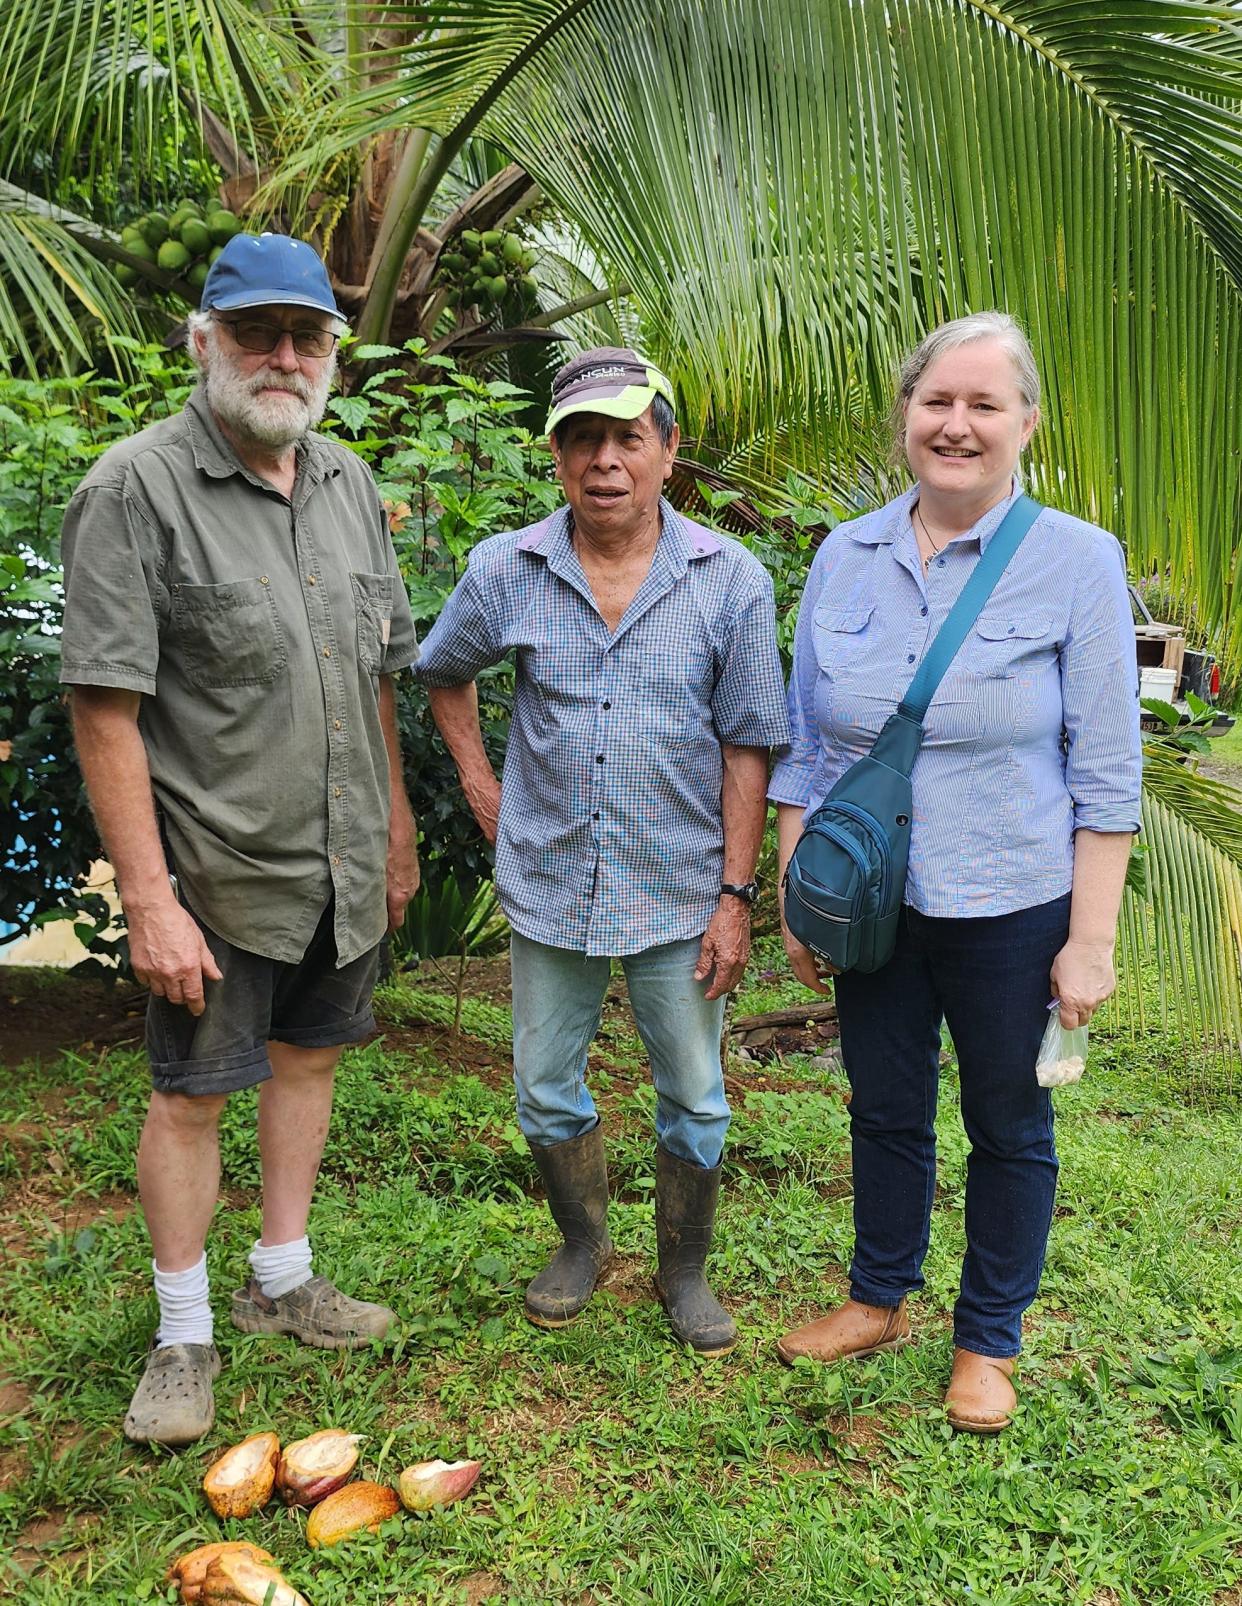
x,y
257,630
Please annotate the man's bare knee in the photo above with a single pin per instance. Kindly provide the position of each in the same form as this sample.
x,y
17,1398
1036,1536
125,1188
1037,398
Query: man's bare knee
x,y
290,1061
185,1113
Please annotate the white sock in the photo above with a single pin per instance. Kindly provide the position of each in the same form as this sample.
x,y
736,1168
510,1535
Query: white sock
x,y
281,1267
185,1310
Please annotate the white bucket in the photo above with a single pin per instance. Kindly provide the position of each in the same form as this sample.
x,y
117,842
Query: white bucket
x,y
1160,683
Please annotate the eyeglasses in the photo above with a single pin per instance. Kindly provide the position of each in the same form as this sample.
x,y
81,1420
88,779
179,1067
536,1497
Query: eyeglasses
x,y
253,334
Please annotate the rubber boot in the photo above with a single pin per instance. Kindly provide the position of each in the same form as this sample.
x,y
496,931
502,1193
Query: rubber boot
x,y
576,1177
686,1197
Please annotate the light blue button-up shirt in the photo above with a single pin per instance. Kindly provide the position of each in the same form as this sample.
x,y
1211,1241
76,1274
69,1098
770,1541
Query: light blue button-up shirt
x,y
610,838
1034,730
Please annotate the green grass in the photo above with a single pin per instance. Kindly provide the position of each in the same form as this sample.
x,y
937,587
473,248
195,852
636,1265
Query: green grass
x,y
617,1466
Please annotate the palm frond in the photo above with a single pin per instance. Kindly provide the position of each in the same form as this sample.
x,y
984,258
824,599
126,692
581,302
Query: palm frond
x,y
1187,929
112,76
52,291
794,193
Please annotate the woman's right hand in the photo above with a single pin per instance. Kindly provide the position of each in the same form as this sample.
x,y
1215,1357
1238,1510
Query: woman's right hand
x,y
809,968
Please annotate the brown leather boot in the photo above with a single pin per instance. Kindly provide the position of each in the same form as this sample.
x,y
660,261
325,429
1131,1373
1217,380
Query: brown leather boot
x,y
850,1332
980,1398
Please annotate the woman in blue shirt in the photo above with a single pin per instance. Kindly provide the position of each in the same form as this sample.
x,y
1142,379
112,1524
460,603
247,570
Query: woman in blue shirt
x,y
1026,797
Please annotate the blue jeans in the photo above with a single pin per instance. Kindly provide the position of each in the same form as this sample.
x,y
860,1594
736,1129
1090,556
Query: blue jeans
x,y
988,979
557,996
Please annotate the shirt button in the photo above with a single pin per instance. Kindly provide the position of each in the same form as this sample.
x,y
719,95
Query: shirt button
x,y
263,580
607,704
940,563
923,613
310,579
336,724
595,816
909,657
1011,630
327,652
336,858
336,791
599,758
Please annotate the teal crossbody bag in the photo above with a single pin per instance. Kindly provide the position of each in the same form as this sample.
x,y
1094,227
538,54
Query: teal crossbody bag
x,y
846,878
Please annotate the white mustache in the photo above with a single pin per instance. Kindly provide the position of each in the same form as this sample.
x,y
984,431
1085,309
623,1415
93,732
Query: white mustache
x,y
293,383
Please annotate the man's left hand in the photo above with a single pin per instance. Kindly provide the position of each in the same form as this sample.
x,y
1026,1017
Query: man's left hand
x,y
726,947
403,878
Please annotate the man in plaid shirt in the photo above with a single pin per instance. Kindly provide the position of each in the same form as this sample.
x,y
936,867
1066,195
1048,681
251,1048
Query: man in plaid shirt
x,y
628,825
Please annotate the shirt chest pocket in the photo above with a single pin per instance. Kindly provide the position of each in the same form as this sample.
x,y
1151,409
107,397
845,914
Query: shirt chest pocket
x,y
230,633
841,637
373,607
1007,644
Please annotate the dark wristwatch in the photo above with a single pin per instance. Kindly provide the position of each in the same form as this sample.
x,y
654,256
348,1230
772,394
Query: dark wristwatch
x,y
748,891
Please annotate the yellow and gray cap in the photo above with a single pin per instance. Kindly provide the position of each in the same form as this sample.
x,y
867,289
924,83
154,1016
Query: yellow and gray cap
x,y
612,380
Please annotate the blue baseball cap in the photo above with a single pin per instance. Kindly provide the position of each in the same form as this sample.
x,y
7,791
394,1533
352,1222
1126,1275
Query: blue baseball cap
x,y
266,270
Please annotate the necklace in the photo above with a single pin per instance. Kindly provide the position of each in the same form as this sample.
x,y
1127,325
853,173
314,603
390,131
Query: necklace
x,y
918,513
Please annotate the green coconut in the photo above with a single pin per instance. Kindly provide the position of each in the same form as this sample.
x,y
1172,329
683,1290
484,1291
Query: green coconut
x,y
471,243
197,276
489,264
173,257
511,250
222,225
195,238
125,275
155,230
491,239
138,248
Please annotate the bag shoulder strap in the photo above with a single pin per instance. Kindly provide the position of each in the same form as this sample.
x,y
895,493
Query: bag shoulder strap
x,y
969,605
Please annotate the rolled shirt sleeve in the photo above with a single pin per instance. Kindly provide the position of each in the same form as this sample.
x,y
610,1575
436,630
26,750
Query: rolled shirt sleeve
x,y
115,595
1099,690
748,704
793,778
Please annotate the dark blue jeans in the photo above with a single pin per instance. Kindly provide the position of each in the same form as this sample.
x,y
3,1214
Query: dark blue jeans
x,y
988,979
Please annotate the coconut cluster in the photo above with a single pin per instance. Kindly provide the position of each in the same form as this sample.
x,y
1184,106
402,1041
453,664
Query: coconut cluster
x,y
489,271
185,242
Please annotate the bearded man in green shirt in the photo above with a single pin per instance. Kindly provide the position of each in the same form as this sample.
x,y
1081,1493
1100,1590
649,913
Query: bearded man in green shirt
x,y
234,617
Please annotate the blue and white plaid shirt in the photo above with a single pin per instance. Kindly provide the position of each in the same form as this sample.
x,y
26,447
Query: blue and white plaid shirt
x,y
610,838
1034,731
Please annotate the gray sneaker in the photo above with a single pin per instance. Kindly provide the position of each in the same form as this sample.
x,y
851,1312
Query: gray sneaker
x,y
314,1311
173,1403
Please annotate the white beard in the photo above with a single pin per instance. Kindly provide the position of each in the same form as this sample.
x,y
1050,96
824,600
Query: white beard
x,y
270,421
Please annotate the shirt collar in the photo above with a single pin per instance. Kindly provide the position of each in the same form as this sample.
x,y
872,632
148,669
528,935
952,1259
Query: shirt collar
x,y
681,539
215,454
895,517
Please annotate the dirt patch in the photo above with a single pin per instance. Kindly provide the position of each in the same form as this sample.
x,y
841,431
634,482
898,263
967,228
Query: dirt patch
x,y
479,1587
43,1013
628,1280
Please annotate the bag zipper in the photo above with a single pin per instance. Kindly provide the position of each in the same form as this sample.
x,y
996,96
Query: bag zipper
x,y
820,914
877,835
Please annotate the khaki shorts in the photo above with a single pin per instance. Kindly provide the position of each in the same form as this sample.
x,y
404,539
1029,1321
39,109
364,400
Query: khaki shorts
x,y
310,1004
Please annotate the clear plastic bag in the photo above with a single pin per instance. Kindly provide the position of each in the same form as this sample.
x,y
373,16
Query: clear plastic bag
x,y
1062,1056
